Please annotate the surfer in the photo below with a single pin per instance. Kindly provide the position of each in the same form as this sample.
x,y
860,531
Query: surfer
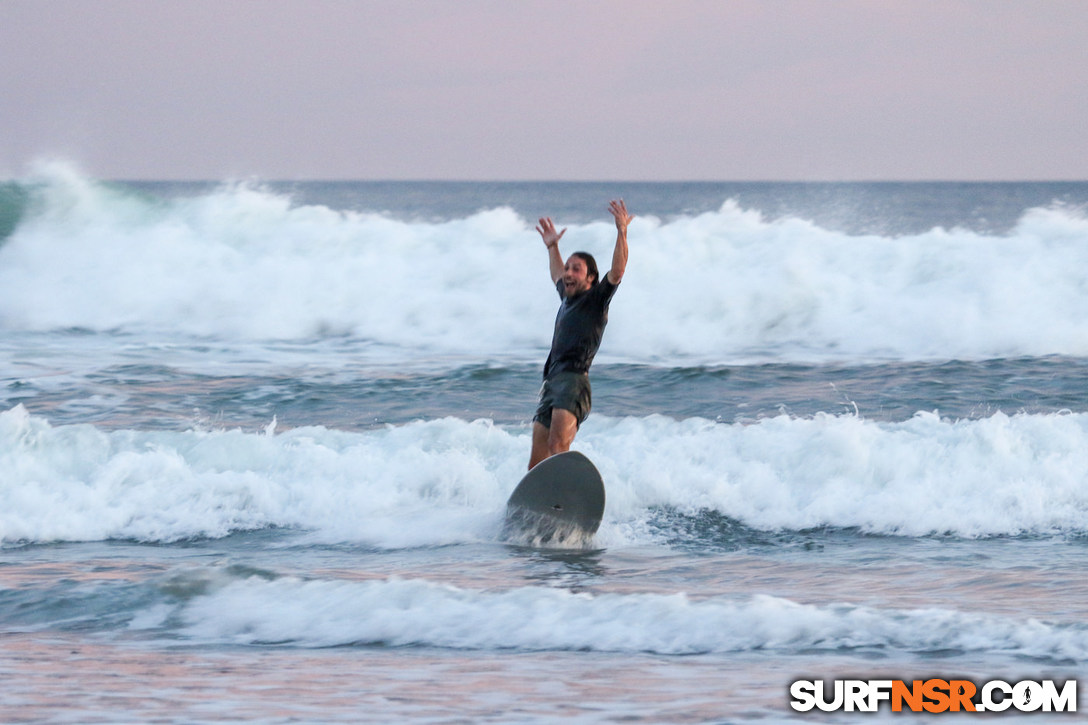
x,y
579,326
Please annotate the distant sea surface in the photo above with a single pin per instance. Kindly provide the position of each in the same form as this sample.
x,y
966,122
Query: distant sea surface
x,y
256,440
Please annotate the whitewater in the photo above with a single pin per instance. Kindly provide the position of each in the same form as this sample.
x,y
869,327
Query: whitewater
x,y
446,481
256,440
716,287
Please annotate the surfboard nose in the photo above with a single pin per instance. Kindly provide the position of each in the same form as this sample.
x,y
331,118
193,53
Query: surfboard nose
x,y
562,497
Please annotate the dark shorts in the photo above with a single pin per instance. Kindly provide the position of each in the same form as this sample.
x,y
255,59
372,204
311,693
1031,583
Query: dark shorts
x,y
569,391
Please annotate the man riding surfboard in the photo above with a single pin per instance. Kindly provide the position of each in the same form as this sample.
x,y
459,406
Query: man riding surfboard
x,y
565,396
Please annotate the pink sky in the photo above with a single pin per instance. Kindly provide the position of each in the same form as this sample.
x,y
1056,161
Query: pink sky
x,y
547,89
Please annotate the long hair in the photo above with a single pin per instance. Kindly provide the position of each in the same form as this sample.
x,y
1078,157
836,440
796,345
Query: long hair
x,y
591,265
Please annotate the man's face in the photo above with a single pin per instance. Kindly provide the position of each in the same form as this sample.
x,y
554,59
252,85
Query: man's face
x,y
575,276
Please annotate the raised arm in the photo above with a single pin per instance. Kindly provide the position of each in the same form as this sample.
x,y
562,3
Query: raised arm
x,y
551,241
619,254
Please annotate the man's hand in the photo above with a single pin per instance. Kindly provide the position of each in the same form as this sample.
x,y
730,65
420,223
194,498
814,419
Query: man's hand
x,y
548,233
619,254
551,241
619,212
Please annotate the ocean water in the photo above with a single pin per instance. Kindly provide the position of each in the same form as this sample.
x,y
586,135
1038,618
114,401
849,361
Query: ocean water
x,y
256,441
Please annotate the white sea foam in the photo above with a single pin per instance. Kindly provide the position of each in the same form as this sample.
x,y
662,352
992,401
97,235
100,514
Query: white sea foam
x,y
243,263
446,481
417,612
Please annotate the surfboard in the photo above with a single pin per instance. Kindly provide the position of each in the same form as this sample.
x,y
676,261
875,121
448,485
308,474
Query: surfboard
x,y
560,501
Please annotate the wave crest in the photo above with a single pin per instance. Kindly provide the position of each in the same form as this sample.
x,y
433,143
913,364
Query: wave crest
x,y
242,262
446,481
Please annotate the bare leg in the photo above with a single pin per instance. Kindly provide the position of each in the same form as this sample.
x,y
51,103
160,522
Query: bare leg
x,y
557,439
561,434
540,445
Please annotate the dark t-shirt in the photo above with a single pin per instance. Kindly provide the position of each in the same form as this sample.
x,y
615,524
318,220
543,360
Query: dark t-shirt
x,y
579,327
